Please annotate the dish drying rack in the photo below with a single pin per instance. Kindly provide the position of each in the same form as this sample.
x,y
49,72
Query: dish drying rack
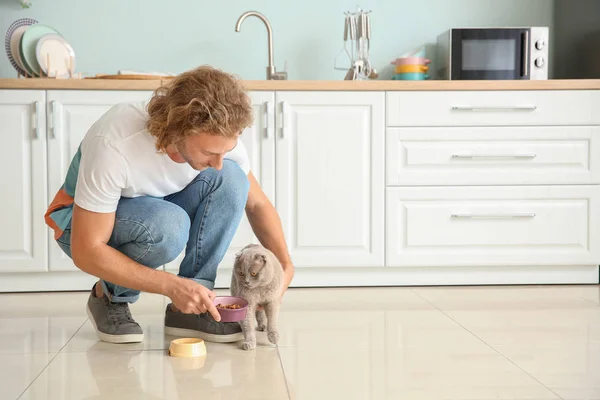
x,y
43,75
357,29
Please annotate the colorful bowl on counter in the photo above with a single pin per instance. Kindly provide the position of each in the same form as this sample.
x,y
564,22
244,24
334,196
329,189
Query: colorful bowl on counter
x,y
411,76
411,60
402,69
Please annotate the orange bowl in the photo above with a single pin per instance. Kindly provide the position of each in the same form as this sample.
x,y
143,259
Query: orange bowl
x,y
402,69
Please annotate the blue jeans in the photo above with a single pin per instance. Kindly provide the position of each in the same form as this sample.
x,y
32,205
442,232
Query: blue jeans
x,y
202,218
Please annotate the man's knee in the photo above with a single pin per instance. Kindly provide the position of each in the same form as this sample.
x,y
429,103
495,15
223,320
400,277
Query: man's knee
x,y
158,238
173,227
234,184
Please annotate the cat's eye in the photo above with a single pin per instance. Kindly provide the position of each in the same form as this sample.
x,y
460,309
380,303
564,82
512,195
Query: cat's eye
x,y
241,273
253,273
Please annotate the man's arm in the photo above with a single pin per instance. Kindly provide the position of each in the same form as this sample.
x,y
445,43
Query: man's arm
x,y
91,253
266,224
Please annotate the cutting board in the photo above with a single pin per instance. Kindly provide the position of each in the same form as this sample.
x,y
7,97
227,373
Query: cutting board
x,y
130,77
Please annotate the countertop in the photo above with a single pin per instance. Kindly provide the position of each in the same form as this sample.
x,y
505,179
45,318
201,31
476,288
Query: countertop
x,y
263,85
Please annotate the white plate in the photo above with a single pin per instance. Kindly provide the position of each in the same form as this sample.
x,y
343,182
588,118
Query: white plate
x,y
15,41
54,49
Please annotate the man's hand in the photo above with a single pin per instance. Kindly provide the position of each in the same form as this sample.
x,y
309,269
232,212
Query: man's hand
x,y
288,275
190,297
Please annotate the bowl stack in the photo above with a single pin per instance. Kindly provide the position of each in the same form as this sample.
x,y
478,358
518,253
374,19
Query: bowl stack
x,y
411,68
38,50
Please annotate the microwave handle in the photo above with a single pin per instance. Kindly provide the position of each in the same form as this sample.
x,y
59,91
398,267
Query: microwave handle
x,y
525,67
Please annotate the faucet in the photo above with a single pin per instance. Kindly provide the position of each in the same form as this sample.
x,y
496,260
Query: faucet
x,y
272,73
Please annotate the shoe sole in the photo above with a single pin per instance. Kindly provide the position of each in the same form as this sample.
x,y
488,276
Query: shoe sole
x,y
209,337
105,337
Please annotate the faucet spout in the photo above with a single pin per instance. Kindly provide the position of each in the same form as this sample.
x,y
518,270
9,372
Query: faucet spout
x,y
271,72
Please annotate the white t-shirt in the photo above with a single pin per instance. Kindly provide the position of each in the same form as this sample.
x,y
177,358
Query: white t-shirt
x,y
119,159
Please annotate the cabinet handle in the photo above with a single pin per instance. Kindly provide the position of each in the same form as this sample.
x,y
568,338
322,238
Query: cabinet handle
x,y
54,110
474,156
268,116
492,216
494,108
36,120
525,58
284,118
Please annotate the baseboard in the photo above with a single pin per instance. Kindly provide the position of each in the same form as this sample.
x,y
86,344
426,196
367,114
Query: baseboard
x,y
438,276
347,277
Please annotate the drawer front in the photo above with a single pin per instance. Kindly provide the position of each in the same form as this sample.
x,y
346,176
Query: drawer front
x,y
492,155
481,226
492,108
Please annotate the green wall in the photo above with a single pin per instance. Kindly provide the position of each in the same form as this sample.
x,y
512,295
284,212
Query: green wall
x,y
173,36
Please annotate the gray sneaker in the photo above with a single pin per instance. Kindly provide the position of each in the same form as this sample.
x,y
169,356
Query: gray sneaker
x,y
113,321
201,326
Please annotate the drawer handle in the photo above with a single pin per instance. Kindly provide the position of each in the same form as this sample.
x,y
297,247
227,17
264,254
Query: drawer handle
x,y
492,108
473,156
492,216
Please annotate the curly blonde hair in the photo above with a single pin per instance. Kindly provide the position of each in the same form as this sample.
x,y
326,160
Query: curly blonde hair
x,y
202,100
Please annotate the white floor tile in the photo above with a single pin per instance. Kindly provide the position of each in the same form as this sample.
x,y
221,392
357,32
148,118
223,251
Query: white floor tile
x,y
353,299
509,297
526,326
416,354
571,369
374,343
37,334
335,372
430,356
17,371
226,373
154,338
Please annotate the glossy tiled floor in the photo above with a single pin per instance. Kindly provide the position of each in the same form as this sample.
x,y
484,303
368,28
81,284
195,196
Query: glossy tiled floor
x,y
393,343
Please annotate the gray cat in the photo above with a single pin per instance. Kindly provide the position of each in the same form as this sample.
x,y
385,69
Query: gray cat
x,y
258,278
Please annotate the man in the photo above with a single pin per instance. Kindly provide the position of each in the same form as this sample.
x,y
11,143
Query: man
x,y
149,181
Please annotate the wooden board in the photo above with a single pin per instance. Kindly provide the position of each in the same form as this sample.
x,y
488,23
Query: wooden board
x,y
130,77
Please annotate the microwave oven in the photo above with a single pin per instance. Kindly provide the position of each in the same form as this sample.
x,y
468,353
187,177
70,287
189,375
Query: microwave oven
x,y
588,53
493,54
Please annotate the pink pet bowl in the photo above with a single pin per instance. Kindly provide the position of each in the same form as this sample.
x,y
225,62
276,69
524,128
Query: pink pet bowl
x,y
231,314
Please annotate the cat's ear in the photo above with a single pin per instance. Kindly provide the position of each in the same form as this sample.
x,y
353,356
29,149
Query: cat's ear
x,y
261,257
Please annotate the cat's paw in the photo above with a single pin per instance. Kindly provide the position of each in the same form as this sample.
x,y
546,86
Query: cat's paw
x,y
261,327
273,337
249,345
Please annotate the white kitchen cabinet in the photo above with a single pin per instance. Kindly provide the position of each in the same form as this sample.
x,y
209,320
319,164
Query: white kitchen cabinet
x,y
493,226
23,237
259,140
321,162
70,114
260,144
469,187
330,177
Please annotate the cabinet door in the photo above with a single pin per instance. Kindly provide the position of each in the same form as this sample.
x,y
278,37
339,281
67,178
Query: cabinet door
x,y
23,237
70,114
330,177
259,141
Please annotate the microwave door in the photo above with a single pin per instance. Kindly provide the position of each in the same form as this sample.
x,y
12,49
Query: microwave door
x,y
490,54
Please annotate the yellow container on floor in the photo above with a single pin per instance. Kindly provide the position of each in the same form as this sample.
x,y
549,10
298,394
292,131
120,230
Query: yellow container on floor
x,y
403,69
187,347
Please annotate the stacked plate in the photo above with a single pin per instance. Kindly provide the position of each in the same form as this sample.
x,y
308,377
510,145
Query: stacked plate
x,y
36,50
